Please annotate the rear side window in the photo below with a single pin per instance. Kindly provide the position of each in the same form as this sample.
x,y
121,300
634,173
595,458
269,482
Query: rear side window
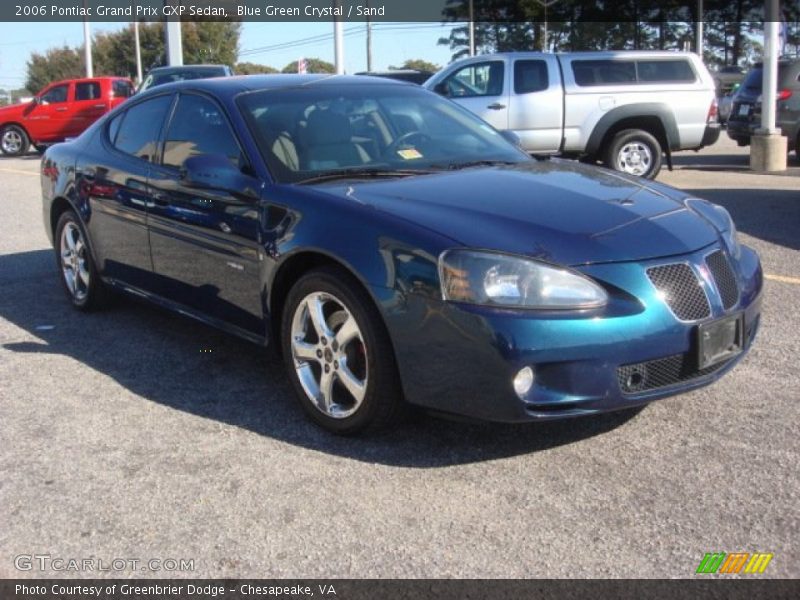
x,y
139,131
603,72
530,76
665,71
198,127
628,72
121,89
87,90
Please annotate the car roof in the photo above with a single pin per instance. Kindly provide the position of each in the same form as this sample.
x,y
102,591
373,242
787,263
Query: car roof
x,y
232,86
79,79
185,67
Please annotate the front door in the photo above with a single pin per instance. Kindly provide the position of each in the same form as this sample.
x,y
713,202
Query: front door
x,y
481,88
47,120
205,242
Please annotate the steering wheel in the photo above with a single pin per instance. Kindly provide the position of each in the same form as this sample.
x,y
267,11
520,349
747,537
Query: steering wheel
x,y
392,148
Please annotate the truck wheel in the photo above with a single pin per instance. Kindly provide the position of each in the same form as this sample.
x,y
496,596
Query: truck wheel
x,y
635,152
14,141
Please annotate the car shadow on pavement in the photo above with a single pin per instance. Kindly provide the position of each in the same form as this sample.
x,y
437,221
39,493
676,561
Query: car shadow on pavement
x,y
770,215
178,363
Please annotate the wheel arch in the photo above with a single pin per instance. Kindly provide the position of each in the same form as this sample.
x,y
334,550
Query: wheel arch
x,y
656,119
290,270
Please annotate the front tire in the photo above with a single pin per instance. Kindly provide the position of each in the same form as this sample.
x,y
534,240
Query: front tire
x,y
635,152
14,140
338,354
79,276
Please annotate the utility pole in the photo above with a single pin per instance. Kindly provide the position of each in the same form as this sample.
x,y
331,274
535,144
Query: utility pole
x,y
471,28
174,39
338,43
699,24
87,45
369,40
767,145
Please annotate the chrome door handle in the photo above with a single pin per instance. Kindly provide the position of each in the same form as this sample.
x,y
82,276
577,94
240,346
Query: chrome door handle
x,y
496,106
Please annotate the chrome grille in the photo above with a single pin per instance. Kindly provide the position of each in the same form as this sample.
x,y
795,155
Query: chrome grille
x,y
723,276
661,372
681,290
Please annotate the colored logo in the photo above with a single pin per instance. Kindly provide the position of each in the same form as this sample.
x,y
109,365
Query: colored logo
x,y
734,562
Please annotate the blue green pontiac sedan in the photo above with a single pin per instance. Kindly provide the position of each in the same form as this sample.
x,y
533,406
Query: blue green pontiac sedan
x,y
397,250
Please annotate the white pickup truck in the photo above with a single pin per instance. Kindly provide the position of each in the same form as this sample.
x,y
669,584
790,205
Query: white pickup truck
x,y
627,109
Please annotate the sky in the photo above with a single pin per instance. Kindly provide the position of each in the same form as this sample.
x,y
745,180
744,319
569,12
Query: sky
x,y
392,44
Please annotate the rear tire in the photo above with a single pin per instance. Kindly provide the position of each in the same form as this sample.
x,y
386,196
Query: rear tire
x,y
635,152
82,284
14,140
338,354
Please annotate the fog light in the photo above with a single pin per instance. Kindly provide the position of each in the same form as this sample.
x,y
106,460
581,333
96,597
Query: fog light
x,y
523,381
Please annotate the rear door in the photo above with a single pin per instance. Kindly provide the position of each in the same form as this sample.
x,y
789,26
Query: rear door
x,y
205,241
88,106
536,104
482,88
112,180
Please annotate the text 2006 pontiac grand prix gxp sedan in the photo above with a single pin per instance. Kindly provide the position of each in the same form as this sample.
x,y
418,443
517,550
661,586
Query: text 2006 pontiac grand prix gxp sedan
x,y
397,249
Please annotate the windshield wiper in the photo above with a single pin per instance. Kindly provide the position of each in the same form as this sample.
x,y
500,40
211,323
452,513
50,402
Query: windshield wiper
x,y
365,172
475,163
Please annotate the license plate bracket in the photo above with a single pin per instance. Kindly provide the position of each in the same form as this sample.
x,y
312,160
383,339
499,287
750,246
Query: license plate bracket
x,y
720,340
744,110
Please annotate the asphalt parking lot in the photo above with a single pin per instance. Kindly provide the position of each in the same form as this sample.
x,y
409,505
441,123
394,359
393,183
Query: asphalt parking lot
x,y
136,434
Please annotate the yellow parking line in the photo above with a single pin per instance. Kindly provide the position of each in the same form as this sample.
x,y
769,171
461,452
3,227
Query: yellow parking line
x,y
19,171
782,278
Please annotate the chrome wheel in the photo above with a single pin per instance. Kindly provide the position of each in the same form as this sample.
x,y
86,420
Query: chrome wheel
x,y
635,158
329,355
74,261
11,142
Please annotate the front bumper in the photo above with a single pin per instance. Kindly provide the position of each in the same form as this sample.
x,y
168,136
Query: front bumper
x,y
462,359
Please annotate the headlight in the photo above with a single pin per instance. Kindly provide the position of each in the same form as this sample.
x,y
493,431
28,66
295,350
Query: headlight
x,y
496,279
729,233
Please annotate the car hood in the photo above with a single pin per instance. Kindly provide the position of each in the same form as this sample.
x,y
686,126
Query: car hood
x,y
558,211
13,111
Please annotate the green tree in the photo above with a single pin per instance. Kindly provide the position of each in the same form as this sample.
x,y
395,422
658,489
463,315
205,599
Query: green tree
x,y
419,65
315,65
53,65
248,68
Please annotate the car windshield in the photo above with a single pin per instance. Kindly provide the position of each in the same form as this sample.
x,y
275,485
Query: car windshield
x,y
312,132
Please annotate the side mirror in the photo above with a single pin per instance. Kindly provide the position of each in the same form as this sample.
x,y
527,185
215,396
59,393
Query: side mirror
x,y
512,137
442,89
216,172
36,100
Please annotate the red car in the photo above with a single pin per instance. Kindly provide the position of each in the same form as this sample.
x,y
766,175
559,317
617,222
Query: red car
x,y
61,110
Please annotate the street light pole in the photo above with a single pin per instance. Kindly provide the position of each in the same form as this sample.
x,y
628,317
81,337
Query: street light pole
x,y
338,43
699,41
138,52
87,45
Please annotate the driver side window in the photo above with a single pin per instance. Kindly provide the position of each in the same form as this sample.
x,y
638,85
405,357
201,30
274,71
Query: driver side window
x,y
472,81
199,127
55,95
